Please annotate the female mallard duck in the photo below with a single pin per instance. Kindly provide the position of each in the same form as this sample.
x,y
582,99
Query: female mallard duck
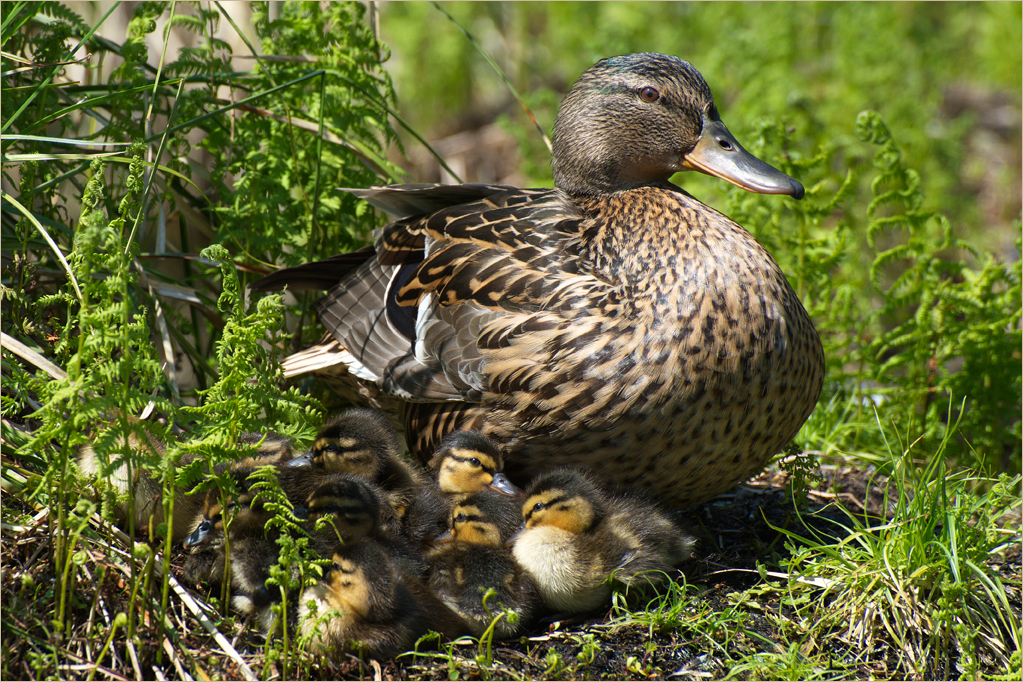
x,y
466,462
368,605
577,540
614,322
473,572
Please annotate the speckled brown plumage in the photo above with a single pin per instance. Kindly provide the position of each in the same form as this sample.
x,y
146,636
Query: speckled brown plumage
x,y
614,322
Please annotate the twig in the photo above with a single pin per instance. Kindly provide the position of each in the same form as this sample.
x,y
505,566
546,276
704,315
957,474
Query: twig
x,y
814,582
176,661
190,603
134,659
212,629
83,667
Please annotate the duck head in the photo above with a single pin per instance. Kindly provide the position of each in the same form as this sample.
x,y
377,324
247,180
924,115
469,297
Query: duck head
x,y
239,510
638,119
485,518
352,506
362,580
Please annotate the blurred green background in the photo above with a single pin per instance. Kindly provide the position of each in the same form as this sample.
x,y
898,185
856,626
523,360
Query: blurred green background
x,y
946,77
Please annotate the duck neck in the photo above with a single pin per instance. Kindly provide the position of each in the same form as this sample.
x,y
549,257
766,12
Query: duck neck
x,y
654,240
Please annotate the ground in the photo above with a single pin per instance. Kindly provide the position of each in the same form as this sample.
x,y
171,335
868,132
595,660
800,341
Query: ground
x,y
722,620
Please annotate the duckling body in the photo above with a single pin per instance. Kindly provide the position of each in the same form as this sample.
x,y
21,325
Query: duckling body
x,y
577,540
613,322
475,562
368,606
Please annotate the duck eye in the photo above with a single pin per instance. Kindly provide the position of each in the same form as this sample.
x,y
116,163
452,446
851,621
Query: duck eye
x,y
475,462
460,518
538,506
649,95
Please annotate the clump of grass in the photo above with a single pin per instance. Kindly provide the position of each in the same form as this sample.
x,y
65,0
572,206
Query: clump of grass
x,y
921,579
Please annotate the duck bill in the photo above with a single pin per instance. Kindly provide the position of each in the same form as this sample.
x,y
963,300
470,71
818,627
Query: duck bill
x,y
718,153
303,460
197,537
515,536
501,484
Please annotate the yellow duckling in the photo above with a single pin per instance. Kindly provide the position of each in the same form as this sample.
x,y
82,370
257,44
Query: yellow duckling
x,y
466,462
475,574
576,540
368,606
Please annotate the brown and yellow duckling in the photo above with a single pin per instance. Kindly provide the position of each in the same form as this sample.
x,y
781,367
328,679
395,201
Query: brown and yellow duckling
x,y
466,462
612,322
367,605
239,512
147,493
475,574
577,540
363,442
354,509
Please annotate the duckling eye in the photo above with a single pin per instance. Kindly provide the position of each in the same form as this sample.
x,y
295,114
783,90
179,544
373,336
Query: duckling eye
x,y
475,462
538,506
460,518
649,95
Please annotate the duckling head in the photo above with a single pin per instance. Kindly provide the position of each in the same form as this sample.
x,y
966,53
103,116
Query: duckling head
x,y
637,119
468,461
357,442
485,518
241,510
353,507
564,499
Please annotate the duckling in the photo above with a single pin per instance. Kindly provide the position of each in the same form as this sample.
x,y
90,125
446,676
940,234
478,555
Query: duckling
x,y
206,561
576,540
253,548
466,462
357,510
473,560
364,443
368,606
271,448
146,503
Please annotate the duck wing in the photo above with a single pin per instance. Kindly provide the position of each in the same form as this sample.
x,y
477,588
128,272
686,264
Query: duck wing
x,y
447,288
